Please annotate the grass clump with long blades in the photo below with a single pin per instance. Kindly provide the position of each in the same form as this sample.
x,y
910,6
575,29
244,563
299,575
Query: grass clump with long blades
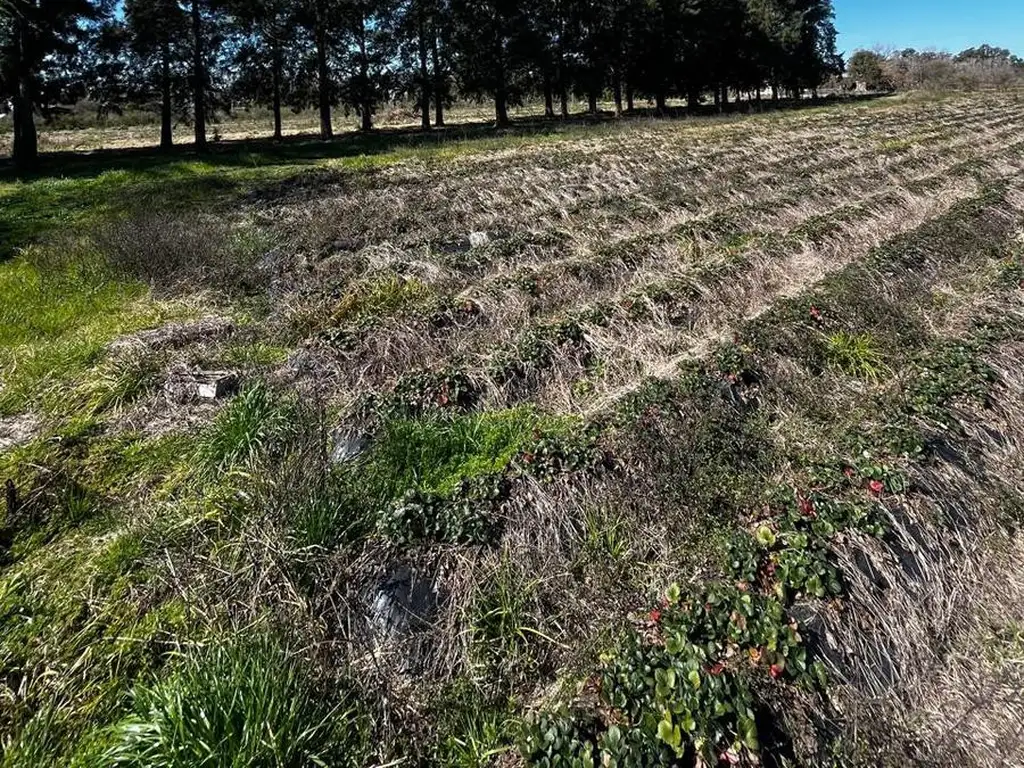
x,y
855,354
253,423
238,703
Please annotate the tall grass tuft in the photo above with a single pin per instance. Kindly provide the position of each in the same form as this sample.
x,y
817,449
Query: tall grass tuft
x,y
254,422
238,703
855,354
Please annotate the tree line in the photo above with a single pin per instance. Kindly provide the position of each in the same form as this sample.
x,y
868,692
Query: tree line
x,y
983,66
192,57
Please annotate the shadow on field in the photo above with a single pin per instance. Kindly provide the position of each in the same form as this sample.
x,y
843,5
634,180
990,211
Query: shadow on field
x,y
309,148
73,189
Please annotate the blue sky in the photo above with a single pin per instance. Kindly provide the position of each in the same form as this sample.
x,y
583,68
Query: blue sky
x,y
930,24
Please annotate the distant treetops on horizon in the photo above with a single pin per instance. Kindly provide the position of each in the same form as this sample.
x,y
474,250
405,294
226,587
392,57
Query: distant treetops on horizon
x,y
908,69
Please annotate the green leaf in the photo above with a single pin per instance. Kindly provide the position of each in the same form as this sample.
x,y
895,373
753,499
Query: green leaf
x,y
819,673
687,722
765,537
815,587
748,734
667,733
694,678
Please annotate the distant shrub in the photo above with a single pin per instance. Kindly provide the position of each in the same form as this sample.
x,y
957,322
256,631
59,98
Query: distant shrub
x,y
239,703
982,67
868,67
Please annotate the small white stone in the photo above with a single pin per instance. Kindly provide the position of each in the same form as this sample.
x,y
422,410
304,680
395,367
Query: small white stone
x,y
478,239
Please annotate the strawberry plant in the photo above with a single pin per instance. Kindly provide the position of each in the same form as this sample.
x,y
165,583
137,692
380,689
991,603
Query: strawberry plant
x,y
680,687
465,517
536,349
552,452
420,391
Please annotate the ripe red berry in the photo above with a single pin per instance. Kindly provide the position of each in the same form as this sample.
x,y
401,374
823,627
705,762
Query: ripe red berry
x,y
655,615
876,487
775,670
807,508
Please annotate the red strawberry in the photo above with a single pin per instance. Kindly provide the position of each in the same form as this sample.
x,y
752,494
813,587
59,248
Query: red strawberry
x,y
655,615
876,487
775,670
807,508
728,757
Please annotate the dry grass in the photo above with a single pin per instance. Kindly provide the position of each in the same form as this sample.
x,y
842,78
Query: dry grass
x,y
613,257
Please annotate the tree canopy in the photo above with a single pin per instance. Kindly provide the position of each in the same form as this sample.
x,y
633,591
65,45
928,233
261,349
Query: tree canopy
x,y
193,56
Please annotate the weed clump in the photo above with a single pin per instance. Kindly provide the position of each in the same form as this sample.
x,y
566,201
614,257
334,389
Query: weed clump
x,y
441,477
256,421
381,297
173,253
239,703
855,354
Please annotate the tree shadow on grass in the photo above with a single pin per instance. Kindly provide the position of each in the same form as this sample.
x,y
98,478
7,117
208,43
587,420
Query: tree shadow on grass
x,y
309,148
72,187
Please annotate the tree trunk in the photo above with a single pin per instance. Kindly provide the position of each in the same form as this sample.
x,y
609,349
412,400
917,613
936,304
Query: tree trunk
x,y
718,99
198,77
549,96
501,92
630,100
660,100
563,86
166,129
276,67
26,145
438,81
592,102
366,99
692,100
501,107
725,96
323,76
775,92
617,91
424,73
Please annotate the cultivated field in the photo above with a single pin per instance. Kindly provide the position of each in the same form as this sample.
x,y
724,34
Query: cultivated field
x,y
647,443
